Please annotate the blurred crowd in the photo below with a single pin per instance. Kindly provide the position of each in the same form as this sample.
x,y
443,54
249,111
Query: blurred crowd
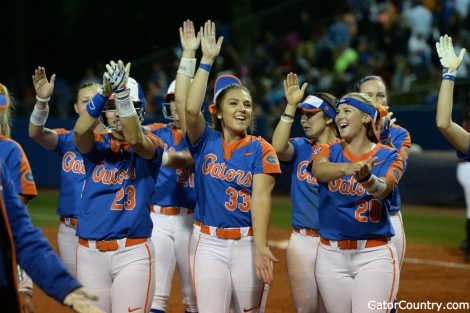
x,y
394,39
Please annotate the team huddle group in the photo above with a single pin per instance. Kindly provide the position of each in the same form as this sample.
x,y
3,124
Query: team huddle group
x,y
137,201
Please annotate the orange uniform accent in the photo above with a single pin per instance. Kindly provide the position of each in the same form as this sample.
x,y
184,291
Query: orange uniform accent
x,y
352,244
111,245
308,232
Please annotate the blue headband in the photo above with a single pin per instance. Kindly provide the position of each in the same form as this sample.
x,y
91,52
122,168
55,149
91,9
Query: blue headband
x,y
359,105
314,104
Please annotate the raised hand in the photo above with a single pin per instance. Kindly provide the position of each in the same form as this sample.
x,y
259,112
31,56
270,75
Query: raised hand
x,y
210,47
385,126
43,87
189,40
447,56
117,75
294,94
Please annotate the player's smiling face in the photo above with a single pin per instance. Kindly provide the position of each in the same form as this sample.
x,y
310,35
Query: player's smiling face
x,y
313,123
237,110
376,90
350,121
84,96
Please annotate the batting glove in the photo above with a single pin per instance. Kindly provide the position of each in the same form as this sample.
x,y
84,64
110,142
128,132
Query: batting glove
x,y
106,90
77,300
117,75
449,60
385,129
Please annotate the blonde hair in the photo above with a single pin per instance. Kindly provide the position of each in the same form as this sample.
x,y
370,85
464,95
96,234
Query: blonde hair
x,y
364,98
6,115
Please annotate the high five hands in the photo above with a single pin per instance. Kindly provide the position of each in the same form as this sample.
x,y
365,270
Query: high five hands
x,y
294,95
209,46
449,60
189,40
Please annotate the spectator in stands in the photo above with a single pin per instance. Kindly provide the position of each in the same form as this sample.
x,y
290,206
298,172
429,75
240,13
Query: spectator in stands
x,y
419,18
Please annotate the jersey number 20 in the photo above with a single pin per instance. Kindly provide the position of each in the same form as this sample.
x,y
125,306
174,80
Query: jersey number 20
x,y
374,208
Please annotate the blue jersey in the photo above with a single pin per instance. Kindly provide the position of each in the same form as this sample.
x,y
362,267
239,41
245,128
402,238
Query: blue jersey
x,y
117,192
346,210
18,166
178,184
304,187
33,251
224,176
72,175
402,142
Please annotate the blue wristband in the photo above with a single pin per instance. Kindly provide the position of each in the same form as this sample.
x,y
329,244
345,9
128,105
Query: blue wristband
x,y
205,67
448,77
96,105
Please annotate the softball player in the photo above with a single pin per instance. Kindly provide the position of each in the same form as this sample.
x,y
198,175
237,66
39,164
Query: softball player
x,y
72,174
115,251
400,139
233,208
455,133
172,210
356,260
22,241
22,176
318,121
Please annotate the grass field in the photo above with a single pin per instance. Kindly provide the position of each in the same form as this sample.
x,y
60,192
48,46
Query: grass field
x,y
423,224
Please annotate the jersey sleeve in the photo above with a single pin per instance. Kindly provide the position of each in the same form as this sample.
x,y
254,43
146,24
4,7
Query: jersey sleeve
x,y
62,135
33,252
267,161
20,170
392,167
402,141
463,156
196,149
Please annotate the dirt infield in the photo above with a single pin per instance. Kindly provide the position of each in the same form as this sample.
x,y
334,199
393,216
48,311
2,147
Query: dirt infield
x,y
447,281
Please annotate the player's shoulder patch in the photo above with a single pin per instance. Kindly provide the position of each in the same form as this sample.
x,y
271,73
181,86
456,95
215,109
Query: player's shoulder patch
x,y
271,159
397,174
28,176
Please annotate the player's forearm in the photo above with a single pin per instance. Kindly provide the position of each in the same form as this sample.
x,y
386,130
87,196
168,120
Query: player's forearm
x,y
328,171
261,216
44,136
457,136
83,136
181,159
280,141
444,105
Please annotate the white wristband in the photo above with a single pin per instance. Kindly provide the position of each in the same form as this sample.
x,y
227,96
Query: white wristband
x,y
125,106
43,100
285,120
39,117
165,158
377,188
187,67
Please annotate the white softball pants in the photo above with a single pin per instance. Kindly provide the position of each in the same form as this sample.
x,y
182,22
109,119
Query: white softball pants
x,y
124,279
463,176
354,280
301,257
170,236
67,245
